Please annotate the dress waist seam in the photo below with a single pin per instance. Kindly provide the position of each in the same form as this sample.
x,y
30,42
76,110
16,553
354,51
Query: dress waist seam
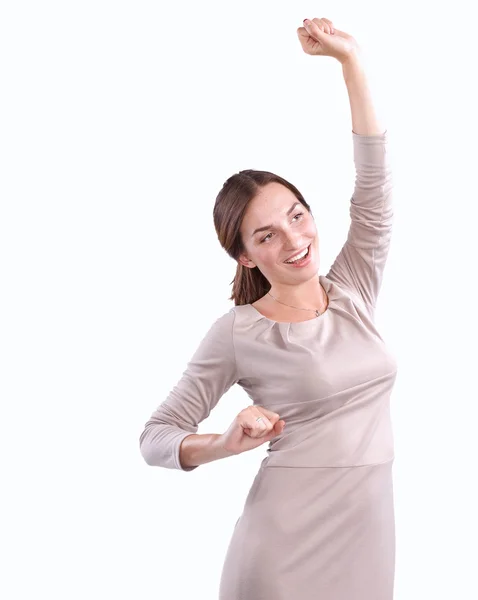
x,y
266,466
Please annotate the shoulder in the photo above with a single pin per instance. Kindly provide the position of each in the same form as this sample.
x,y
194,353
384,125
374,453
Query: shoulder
x,y
217,338
222,324
345,296
246,315
228,321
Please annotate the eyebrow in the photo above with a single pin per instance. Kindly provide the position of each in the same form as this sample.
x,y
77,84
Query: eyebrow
x,y
266,227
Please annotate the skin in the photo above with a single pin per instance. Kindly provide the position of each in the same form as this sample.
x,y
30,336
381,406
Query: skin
x,y
268,250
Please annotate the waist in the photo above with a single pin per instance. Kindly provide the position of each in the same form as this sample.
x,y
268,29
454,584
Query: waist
x,y
346,438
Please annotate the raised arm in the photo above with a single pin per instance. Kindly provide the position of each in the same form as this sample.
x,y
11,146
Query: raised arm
x,y
360,264
209,374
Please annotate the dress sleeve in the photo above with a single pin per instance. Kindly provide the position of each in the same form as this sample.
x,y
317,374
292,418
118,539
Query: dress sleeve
x,y
209,374
360,264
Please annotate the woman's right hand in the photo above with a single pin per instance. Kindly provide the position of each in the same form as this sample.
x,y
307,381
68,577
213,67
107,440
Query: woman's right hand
x,y
246,433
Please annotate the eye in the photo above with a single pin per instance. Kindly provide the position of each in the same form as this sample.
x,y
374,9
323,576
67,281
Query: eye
x,y
300,214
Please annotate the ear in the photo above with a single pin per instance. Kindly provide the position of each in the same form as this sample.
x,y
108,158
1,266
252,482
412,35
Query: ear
x,y
245,262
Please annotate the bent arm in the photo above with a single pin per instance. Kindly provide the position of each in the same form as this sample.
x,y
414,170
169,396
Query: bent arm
x,y
209,374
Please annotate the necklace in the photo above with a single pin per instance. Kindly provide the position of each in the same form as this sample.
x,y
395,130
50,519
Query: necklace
x,y
317,313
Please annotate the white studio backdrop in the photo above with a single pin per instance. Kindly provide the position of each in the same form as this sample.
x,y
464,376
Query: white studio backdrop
x,y
120,121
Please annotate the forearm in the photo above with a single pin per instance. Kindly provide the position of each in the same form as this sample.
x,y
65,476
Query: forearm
x,y
198,449
364,119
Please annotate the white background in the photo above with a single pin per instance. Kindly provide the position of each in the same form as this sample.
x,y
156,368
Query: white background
x,y
120,121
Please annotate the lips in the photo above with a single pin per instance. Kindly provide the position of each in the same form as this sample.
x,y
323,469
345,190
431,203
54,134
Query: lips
x,y
297,253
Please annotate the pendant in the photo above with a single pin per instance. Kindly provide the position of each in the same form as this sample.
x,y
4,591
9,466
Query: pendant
x,y
317,314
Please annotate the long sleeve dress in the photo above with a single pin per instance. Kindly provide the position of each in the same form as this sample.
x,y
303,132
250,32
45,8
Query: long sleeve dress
x,y
318,521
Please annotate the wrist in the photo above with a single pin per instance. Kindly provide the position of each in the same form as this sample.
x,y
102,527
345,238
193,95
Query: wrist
x,y
201,448
352,62
218,445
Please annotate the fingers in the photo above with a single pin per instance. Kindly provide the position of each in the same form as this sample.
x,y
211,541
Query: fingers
x,y
262,424
329,23
258,422
272,416
325,25
302,32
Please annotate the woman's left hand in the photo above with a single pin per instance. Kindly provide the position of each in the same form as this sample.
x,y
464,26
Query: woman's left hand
x,y
320,38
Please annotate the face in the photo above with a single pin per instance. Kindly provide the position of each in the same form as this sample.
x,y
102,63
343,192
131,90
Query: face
x,y
285,228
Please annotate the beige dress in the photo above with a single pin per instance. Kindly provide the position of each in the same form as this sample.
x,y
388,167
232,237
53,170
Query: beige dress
x,y
318,522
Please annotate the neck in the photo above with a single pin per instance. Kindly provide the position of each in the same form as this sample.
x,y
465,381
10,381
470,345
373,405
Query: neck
x,y
309,294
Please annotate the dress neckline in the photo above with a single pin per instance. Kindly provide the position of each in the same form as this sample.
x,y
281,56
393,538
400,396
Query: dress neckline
x,y
326,287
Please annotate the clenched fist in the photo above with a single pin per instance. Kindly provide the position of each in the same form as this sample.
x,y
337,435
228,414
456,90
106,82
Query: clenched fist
x,y
252,427
319,37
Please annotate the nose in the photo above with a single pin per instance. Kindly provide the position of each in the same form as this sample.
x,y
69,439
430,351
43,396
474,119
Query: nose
x,y
292,242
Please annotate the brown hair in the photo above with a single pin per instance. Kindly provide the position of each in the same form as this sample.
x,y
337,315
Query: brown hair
x,y
229,209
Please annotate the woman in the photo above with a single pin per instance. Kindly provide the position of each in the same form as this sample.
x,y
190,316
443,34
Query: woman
x,y
318,521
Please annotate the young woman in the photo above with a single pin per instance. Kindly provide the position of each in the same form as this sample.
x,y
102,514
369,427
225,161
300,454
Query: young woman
x,y
318,521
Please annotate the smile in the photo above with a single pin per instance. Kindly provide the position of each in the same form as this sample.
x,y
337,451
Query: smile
x,y
299,259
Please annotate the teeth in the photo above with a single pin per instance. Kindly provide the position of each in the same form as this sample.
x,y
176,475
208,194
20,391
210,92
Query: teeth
x,y
298,257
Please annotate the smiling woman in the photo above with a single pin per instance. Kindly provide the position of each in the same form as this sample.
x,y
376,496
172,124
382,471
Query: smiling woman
x,y
266,225
318,521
